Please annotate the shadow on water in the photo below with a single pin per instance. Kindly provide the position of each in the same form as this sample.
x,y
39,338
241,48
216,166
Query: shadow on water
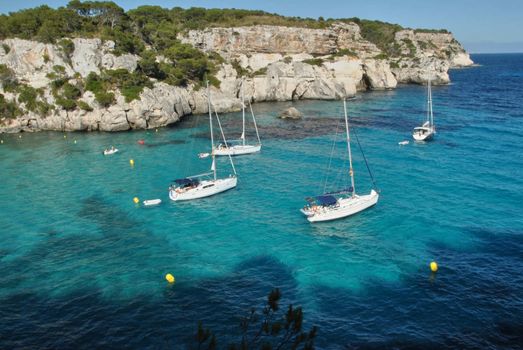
x,y
295,129
165,143
435,311
85,319
446,310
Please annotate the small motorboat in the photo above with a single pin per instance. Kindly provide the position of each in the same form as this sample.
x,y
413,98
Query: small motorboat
x,y
110,151
150,202
203,155
403,143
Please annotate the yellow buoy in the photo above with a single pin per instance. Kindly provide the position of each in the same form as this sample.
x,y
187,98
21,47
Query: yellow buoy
x,y
136,200
433,266
131,161
65,136
170,278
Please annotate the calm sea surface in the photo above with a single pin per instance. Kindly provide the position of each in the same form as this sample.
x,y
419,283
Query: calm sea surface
x,y
82,266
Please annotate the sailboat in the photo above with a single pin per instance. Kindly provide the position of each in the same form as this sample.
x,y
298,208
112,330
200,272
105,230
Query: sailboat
x,y
239,147
342,203
207,184
428,129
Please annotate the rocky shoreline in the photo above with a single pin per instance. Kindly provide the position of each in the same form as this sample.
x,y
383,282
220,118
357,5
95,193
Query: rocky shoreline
x,y
279,64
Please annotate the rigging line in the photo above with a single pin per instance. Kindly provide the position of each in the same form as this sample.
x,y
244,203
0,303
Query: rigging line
x,y
366,163
225,141
326,177
255,125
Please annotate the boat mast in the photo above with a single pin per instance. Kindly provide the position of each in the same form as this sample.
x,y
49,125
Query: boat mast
x,y
430,103
213,166
243,112
223,136
351,172
430,117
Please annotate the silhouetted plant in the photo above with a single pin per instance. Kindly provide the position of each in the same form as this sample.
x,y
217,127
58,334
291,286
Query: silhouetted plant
x,y
266,331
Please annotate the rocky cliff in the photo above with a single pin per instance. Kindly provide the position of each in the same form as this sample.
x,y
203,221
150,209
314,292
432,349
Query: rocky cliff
x,y
278,63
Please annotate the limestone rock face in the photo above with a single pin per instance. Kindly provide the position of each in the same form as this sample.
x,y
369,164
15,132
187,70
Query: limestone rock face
x,y
461,59
87,56
32,61
263,39
379,75
279,64
419,72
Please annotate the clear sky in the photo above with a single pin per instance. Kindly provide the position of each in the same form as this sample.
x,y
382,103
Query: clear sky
x,y
481,25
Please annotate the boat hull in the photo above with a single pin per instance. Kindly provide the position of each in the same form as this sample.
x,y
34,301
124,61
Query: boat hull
x,y
423,137
151,202
345,207
237,150
206,188
109,152
423,133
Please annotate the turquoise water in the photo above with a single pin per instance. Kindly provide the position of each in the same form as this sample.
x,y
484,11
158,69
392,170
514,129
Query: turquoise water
x,y
82,266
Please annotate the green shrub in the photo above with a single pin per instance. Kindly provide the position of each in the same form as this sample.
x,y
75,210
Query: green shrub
x,y
261,71
345,52
287,59
46,58
67,47
394,64
84,106
380,33
57,84
94,83
28,96
58,69
105,99
6,48
381,56
126,43
216,57
441,31
8,109
148,66
423,45
314,61
239,69
99,87
214,81
66,103
8,79
410,46
43,108
130,84
70,91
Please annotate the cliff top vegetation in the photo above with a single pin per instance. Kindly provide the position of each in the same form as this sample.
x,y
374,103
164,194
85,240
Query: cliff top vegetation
x,y
156,26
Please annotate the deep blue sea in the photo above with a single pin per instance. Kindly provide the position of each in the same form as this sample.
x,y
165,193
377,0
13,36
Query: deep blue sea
x,y
82,266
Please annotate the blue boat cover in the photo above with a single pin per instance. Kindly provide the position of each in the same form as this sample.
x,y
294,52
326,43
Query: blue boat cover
x,y
186,182
326,200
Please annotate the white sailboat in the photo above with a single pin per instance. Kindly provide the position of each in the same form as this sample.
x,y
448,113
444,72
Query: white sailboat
x,y
428,129
207,184
342,203
240,147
